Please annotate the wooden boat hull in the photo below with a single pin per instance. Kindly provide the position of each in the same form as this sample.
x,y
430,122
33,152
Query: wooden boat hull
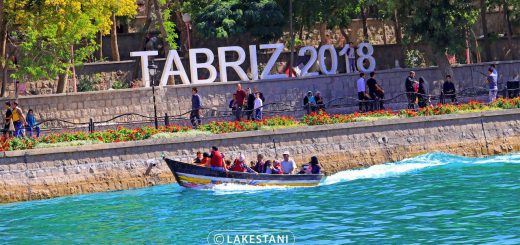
x,y
193,176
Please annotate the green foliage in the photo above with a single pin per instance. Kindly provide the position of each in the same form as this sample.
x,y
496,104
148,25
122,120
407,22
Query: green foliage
x,y
414,58
88,82
120,85
224,19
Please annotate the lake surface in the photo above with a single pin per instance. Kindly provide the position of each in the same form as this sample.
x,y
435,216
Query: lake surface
x,y
434,198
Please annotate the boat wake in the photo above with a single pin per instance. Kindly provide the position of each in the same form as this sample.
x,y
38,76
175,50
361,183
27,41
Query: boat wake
x,y
406,166
226,189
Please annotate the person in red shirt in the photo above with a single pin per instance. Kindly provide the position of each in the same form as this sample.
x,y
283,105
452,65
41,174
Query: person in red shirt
x,y
239,101
240,165
217,161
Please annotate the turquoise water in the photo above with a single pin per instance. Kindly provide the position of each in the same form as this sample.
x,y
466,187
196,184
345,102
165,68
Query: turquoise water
x,y
434,198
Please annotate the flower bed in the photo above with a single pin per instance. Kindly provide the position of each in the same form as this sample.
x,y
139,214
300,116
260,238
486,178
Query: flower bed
x,y
220,127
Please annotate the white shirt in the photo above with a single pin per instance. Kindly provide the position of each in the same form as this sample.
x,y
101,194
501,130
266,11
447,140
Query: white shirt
x,y
258,104
361,86
351,52
289,167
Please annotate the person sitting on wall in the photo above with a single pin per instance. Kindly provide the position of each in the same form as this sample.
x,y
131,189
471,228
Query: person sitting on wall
x,y
320,104
309,102
448,89
375,91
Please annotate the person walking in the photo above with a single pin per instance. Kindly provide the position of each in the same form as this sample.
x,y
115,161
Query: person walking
x,y
196,105
410,91
8,123
375,91
258,107
31,124
18,120
239,102
361,89
493,85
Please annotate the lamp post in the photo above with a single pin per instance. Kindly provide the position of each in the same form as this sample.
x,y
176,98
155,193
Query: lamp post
x,y
187,19
153,71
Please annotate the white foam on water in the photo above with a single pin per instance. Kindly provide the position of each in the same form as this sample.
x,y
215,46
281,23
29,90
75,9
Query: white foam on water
x,y
380,171
230,188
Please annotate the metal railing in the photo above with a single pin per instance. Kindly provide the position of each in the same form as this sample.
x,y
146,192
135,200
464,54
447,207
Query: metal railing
x,y
335,105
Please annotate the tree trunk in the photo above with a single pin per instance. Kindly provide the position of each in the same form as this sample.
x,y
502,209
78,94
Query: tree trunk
x,y
99,53
142,34
3,49
483,19
364,21
384,31
160,20
113,39
397,26
509,30
62,83
323,30
443,64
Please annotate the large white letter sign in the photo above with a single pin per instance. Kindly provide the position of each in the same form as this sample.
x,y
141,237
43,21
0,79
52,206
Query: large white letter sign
x,y
144,64
366,56
334,57
347,61
254,62
223,64
174,56
194,66
310,63
266,73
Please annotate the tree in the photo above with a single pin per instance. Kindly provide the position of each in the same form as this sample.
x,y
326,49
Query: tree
x,y
118,8
224,19
51,30
442,24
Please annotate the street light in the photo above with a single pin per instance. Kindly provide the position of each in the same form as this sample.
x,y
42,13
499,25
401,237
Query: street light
x,y
153,71
187,19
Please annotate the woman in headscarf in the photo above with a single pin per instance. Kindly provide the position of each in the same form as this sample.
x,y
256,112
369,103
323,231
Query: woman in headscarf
x,y
422,94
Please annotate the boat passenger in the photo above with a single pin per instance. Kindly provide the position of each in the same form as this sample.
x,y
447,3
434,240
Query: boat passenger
x,y
217,161
306,169
206,160
277,168
240,165
228,164
288,164
268,167
315,165
198,159
260,166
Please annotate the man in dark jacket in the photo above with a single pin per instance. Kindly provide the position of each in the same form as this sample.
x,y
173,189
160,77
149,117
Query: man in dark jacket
x,y
448,89
250,104
410,92
196,104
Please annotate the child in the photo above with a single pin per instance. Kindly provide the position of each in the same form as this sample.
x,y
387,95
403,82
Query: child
x,y
258,107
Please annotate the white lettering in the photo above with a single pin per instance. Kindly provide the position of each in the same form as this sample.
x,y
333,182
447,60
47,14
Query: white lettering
x,y
347,61
194,66
266,73
144,64
223,64
334,61
254,62
366,56
167,72
312,60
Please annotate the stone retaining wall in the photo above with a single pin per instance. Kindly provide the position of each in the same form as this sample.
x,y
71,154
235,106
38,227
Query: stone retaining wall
x,y
46,173
175,100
